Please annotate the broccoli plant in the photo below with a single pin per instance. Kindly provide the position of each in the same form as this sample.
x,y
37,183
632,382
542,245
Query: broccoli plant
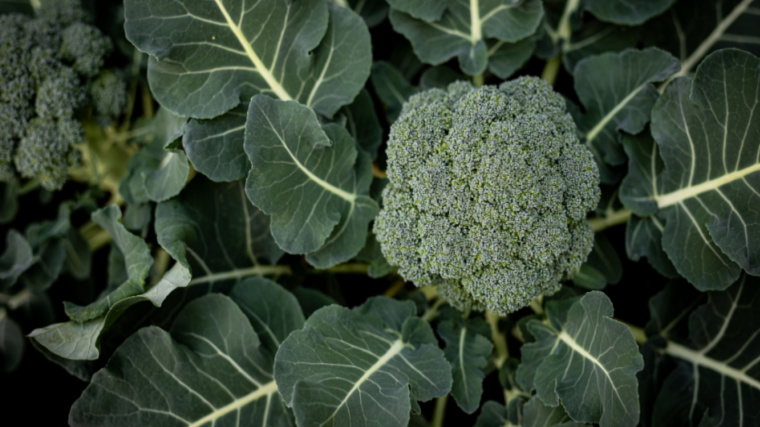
x,y
380,212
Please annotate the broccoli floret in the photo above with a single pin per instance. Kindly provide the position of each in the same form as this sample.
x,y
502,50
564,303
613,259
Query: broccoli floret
x,y
65,12
48,149
109,95
60,95
488,193
86,47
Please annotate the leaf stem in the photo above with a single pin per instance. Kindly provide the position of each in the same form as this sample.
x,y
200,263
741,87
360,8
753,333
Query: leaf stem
x,y
433,311
259,270
638,333
351,268
17,300
440,411
479,79
29,187
499,340
551,69
611,219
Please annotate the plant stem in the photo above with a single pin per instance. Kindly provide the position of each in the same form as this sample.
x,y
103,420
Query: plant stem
x,y
352,268
613,218
432,312
499,340
377,172
395,288
551,69
29,187
17,300
160,265
259,270
638,333
537,305
440,411
479,79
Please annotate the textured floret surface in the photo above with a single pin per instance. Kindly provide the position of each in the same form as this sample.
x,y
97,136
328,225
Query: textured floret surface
x,y
488,193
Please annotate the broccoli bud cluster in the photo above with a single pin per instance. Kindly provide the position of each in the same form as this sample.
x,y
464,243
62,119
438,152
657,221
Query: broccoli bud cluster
x,y
488,193
49,66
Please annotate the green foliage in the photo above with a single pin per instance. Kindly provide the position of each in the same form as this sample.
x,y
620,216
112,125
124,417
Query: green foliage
x,y
342,212
487,195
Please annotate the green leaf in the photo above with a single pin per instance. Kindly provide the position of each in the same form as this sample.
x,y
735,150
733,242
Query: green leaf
x,y
372,11
391,87
137,259
644,234
200,374
348,366
215,146
584,349
81,340
504,59
428,10
78,255
602,266
47,266
706,193
439,77
536,414
362,123
16,259
462,33
214,231
206,58
11,343
616,90
627,12
716,379
305,181
8,200
492,414
467,351
154,173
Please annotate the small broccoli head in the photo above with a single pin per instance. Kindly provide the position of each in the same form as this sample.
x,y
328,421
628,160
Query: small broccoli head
x,y
109,94
60,94
86,48
487,195
47,150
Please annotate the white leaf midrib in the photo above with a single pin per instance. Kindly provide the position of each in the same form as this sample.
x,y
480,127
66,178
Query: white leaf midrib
x,y
265,72
678,196
699,359
574,346
265,390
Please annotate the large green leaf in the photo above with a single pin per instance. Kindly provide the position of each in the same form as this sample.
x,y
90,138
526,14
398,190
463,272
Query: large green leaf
x,y
691,30
391,87
582,348
617,92
16,259
208,57
706,194
303,175
467,349
349,367
537,414
215,146
429,10
627,12
212,369
716,377
465,27
154,173
373,11
81,340
11,343
214,231
362,123
137,259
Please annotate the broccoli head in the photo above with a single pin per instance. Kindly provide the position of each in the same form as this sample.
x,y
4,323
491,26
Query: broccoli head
x,y
109,95
488,193
48,149
85,47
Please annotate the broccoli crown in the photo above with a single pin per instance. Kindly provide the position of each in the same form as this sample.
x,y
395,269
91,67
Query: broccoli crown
x,y
48,62
488,193
109,95
48,149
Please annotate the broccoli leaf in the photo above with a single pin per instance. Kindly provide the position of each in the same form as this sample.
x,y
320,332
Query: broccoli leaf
x,y
627,12
492,414
11,343
214,231
583,349
81,340
208,57
137,259
467,350
428,10
362,123
198,374
537,414
347,366
8,200
706,192
715,379
616,90
372,11
215,146
306,181
465,27
391,87
16,259
602,267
